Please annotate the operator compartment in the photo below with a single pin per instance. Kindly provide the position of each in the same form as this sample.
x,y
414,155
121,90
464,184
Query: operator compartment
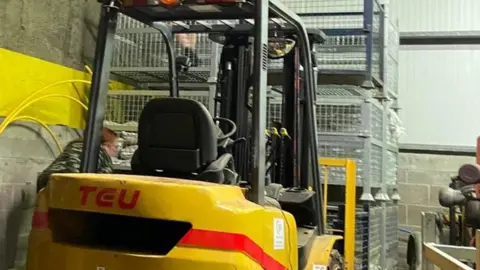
x,y
134,214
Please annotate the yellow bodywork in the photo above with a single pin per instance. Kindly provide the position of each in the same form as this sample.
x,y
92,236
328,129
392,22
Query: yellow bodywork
x,y
206,206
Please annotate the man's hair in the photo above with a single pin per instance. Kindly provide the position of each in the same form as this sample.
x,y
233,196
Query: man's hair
x,y
108,135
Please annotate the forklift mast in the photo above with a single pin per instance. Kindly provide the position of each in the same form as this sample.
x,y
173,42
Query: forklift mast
x,y
154,13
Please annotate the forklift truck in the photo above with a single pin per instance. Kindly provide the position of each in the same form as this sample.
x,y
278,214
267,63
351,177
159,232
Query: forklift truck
x,y
181,208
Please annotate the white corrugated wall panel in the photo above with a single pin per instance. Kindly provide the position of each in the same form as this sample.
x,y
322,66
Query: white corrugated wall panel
x,y
440,94
437,15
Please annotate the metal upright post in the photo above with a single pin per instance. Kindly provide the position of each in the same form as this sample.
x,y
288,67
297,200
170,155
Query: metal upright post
x,y
99,87
259,101
383,34
290,116
383,194
368,27
366,110
212,80
167,35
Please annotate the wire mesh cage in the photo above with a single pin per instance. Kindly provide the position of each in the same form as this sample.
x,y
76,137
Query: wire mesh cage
x,y
140,53
356,115
368,158
392,168
341,110
391,75
375,243
351,148
125,106
347,120
344,22
393,128
367,226
392,236
393,39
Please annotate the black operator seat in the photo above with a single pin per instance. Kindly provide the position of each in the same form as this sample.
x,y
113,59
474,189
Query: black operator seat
x,y
177,138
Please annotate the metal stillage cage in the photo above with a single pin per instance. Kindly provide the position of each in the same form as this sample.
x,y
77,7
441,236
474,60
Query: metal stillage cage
x,y
124,106
367,238
354,29
140,54
349,125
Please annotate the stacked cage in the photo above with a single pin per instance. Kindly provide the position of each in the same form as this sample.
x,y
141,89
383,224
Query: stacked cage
x,y
354,32
392,236
350,126
367,239
351,122
140,54
392,42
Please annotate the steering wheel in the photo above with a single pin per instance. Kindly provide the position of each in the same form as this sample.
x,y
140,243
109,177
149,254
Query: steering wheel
x,y
232,129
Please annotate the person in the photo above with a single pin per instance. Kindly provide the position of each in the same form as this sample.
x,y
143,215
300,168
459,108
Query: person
x,y
69,160
188,44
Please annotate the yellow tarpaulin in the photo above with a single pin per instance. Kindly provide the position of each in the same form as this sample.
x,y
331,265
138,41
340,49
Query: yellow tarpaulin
x,y
22,75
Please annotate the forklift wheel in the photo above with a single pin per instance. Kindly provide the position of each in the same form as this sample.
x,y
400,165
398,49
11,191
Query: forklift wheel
x,y
336,261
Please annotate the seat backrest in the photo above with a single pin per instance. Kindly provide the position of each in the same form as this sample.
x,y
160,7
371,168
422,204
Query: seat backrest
x,y
176,135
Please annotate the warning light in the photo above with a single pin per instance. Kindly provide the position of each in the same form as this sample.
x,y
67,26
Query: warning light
x,y
170,3
150,3
216,2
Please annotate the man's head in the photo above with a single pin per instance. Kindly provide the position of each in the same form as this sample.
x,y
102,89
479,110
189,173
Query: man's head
x,y
109,141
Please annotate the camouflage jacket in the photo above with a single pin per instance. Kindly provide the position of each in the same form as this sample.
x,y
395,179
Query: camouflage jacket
x,y
69,162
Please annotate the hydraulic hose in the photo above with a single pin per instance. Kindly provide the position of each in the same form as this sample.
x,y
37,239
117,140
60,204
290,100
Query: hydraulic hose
x,y
15,112
12,117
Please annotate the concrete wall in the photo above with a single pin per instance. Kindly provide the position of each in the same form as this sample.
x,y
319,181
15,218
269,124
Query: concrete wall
x,y
59,31
25,150
420,178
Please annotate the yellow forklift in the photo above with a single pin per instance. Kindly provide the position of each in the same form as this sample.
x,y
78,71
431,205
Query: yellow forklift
x,y
184,205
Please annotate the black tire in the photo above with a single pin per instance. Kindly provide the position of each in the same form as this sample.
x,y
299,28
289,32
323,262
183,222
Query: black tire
x,y
336,261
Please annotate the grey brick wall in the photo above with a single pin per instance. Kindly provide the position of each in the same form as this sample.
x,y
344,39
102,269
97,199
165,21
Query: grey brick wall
x,y
420,178
25,150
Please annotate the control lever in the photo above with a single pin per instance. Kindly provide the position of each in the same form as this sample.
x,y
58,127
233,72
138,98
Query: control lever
x,y
232,143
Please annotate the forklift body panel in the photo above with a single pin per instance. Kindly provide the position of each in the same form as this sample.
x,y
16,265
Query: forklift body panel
x,y
92,221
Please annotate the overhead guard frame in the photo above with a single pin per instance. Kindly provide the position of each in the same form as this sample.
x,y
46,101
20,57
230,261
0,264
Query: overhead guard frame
x,y
259,10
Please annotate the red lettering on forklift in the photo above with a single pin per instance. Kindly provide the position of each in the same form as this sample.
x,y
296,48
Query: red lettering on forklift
x,y
86,190
105,197
108,197
133,201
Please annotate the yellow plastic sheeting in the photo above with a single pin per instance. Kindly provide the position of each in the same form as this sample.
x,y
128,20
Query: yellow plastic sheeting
x,y
22,75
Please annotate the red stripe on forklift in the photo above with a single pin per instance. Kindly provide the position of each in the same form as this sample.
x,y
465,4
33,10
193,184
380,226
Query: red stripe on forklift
x,y
233,242
40,220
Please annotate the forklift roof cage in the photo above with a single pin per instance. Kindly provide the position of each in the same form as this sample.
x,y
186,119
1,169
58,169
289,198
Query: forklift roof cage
x,y
152,13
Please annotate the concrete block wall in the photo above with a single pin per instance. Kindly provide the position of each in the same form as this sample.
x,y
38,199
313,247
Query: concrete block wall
x,y
59,31
421,176
25,150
